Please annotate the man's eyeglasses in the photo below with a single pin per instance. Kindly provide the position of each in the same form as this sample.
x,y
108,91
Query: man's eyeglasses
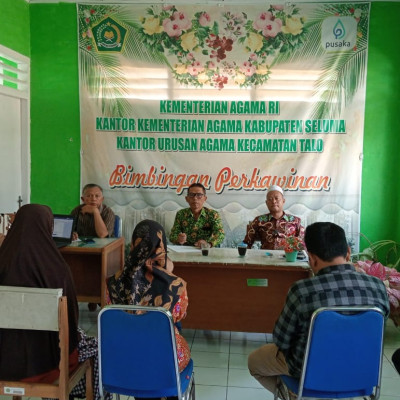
x,y
197,195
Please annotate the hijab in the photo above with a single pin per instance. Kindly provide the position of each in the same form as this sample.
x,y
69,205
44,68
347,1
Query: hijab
x,y
29,258
144,279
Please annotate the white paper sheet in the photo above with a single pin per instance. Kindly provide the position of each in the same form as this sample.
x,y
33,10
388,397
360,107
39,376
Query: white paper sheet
x,y
183,249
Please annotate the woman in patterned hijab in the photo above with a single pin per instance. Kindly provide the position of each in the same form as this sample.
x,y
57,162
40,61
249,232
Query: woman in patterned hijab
x,y
145,280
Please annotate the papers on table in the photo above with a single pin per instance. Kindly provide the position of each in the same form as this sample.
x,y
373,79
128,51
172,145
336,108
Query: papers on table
x,y
183,249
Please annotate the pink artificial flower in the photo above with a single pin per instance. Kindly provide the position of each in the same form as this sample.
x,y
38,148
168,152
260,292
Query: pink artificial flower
x,y
167,8
205,19
180,18
277,7
389,276
394,296
171,28
394,278
378,270
253,57
190,56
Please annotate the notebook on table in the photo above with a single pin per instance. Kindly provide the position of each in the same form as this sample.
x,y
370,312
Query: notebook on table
x,y
63,228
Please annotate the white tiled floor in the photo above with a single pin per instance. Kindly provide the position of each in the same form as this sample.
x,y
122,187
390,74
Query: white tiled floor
x,y
220,360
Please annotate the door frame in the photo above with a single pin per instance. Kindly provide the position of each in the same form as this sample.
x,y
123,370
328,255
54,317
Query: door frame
x,y
23,94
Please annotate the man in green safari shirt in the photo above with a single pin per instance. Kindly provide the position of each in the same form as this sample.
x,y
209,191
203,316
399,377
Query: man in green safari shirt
x,y
197,224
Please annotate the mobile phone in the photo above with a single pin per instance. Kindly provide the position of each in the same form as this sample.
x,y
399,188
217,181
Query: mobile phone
x,y
301,256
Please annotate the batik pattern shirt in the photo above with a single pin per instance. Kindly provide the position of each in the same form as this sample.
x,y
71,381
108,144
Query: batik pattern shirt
x,y
269,230
207,227
339,285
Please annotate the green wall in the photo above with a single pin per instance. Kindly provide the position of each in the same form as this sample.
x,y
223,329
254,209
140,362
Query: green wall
x,y
14,23
380,189
55,126
55,140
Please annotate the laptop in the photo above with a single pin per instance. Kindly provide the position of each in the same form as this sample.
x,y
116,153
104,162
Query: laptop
x,y
63,228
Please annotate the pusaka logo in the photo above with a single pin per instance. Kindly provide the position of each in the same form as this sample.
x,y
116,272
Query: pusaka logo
x,y
338,33
109,35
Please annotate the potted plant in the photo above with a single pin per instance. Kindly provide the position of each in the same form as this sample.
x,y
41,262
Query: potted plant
x,y
382,260
291,245
385,251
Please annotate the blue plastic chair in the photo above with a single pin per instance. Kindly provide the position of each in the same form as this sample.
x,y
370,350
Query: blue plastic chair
x,y
137,354
343,356
117,226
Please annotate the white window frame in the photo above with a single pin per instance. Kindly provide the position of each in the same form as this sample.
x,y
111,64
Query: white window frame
x,y
22,93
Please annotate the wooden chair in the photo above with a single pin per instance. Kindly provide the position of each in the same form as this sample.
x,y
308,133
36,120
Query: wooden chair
x,y
42,309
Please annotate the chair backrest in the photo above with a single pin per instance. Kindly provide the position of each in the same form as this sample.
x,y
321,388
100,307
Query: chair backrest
x,y
37,309
344,351
137,351
45,310
29,308
117,226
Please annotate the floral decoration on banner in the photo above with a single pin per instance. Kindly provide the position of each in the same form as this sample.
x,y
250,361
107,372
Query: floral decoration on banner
x,y
203,46
290,244
215,49
389,276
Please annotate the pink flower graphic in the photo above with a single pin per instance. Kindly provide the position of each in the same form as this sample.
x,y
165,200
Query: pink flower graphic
x,y
195,68
248,69
203,42
171,28
272,28
205,19
253,57
262,21
182,20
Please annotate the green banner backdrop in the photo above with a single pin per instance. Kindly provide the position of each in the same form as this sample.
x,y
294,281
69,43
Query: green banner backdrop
x,y
237,97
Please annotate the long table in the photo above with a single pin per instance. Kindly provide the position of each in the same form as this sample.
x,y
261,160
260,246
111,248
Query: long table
x,y
91,264
231,293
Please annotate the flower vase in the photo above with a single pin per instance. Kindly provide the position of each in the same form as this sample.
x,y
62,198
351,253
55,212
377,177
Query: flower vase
x,y
291,257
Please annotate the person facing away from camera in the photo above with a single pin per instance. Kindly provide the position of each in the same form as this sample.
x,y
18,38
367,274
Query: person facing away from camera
x,y
335,283
147,280
30,258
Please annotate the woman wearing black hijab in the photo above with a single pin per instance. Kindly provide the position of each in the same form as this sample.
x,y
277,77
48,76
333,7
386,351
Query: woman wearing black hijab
x,y
29,258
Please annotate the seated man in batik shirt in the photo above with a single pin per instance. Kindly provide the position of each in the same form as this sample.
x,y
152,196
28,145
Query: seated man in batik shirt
x,y
270,228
